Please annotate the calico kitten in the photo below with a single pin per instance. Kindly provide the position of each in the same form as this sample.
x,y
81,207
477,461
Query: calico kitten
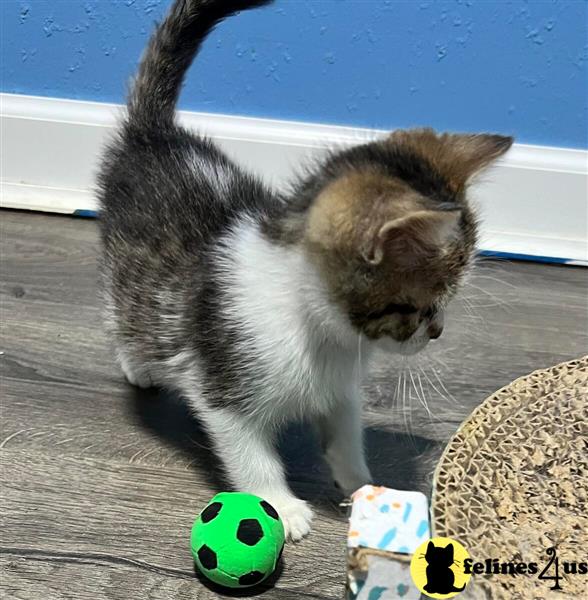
x,y
253,303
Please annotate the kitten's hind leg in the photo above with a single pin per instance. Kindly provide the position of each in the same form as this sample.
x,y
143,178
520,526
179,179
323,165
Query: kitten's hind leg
x,y
252,464
135,373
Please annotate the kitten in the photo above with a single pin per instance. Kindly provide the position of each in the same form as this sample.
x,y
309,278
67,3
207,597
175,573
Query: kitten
x,y
252,303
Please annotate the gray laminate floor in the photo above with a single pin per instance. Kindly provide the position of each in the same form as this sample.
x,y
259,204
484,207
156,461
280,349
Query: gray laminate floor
x,y
100,482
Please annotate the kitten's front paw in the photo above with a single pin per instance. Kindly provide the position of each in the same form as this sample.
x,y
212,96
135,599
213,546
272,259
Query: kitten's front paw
x,y
349,471
296,517
351,482
135,372
141,379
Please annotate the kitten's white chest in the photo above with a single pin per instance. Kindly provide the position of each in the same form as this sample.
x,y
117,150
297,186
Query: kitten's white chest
x,y
306,352
313,376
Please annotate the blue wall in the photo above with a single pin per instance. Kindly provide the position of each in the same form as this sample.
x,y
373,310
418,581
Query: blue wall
x,y
510,66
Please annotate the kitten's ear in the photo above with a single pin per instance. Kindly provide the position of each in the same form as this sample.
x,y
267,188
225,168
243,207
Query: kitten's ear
x,y
430,548
470,154
449,551
457,156
407,240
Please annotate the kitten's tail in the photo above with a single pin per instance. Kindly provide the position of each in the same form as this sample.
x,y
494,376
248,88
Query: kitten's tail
x,y
169,54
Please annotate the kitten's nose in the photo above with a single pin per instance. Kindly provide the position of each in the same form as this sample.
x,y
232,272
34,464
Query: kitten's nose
x,y
434,331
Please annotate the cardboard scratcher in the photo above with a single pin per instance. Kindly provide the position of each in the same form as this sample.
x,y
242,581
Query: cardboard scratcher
x,y
513,481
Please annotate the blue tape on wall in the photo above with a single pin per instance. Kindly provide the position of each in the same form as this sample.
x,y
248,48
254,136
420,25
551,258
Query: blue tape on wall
x,y
92,214
531,257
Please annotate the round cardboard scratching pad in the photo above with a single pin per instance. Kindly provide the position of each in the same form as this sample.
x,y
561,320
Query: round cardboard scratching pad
x,y
513,482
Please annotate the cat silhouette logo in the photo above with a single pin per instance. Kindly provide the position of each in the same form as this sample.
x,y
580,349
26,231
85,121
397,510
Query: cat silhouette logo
x,y
437,568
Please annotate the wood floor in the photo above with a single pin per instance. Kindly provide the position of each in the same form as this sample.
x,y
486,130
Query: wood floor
x,y
100,483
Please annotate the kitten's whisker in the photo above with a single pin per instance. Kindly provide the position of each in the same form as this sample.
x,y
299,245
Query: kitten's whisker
x,y
473,318
475,299
483,302
444,387
404,409
480,321
470,307
397,393
435,387
465,299
406,415
489,294
491,262
475,302
439,361
422,398
425,404
410,408
496,279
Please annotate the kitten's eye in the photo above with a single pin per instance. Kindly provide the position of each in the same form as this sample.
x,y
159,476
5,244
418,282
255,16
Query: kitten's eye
x,y
429,313
402,309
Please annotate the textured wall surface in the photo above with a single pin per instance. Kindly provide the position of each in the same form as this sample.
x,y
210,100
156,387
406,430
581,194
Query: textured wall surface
x,y
512,66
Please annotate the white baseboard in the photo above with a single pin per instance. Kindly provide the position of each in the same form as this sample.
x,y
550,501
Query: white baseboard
x,y
534,202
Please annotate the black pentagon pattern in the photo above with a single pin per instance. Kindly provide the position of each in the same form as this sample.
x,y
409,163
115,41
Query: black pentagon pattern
x,y
210,512
249,532
251,578
207,557
270,510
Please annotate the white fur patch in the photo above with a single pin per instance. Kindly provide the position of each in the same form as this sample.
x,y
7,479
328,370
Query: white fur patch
x,y
306,347
413,345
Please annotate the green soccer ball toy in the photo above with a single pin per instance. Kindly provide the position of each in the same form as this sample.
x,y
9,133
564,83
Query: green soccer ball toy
x,y
237,540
